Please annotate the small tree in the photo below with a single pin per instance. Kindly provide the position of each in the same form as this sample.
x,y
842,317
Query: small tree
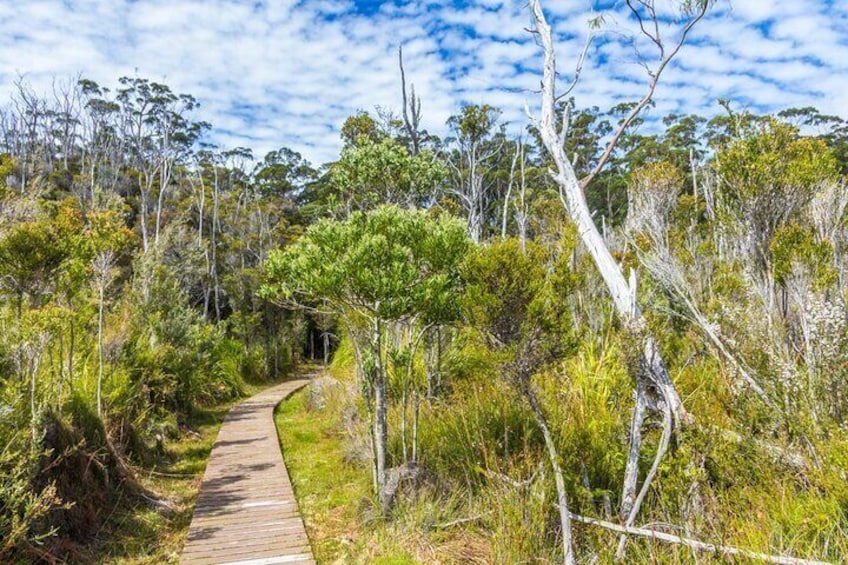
x,y
516,295
384,267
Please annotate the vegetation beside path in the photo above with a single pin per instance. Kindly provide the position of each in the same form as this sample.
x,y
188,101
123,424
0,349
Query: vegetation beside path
x,y
139,534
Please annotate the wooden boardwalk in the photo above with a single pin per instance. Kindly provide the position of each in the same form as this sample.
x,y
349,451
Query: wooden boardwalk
x,y
246,513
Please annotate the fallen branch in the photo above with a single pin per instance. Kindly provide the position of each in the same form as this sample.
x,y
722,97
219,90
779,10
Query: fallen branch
x,y
126,473
458,522
723,550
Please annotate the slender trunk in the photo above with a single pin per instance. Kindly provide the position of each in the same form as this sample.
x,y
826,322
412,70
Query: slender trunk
x,y
380,413
662,449
508,192
214,262
71,347
100,354
631,471
201,204
33,423
404,403
164,180
416,405
553,458
326,337
521,214
144,187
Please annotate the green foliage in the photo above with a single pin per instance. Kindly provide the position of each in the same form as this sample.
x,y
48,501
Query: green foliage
x,y
768,175
474,122
388,264
385,172
520,517
182,363
758,243
23,508
29,259
283,172
487,426
771,157
361,129
795,248
513,292
7,169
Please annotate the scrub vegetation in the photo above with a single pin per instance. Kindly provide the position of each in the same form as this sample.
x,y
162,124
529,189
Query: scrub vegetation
x,y
614,337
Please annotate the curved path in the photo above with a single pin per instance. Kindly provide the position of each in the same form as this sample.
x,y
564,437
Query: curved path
x,y
246,513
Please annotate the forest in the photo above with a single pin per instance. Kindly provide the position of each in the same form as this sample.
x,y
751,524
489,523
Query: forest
x,y
612,337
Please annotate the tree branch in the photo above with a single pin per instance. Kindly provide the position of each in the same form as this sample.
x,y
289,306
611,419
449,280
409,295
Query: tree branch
x,y
723,550
646,99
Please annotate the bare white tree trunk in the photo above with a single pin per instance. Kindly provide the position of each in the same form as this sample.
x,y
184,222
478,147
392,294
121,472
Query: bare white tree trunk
x,y
574,200
103,266
509,188
164,181
651,373
521,209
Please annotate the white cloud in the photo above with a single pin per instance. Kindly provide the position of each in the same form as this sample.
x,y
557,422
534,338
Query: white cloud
x,y
279,72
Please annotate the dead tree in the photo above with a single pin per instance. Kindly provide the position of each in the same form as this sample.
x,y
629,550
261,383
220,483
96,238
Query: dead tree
x,y
411,110
654,389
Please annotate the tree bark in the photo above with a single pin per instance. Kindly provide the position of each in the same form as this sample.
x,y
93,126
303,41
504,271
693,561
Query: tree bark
x,y
653,368
380,414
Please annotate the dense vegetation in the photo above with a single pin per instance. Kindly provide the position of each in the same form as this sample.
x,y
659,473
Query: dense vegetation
x,y
129,264
486,395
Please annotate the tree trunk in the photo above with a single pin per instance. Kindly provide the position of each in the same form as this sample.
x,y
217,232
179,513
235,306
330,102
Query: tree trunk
x,y
380,413
571,193
631,472
100,352
553,458
326,336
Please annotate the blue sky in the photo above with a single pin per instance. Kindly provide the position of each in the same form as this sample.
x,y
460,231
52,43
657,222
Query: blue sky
x,y
278,72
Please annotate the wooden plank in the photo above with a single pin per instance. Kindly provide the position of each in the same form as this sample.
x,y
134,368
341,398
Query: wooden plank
x,y
246,513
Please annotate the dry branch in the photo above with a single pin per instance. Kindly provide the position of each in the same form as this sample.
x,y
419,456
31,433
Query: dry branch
x,y
723,550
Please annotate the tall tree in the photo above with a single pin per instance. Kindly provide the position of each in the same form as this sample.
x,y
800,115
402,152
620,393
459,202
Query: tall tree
x,y
476,149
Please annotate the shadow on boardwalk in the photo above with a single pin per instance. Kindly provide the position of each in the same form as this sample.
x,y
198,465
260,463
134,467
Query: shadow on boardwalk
x,y
246,513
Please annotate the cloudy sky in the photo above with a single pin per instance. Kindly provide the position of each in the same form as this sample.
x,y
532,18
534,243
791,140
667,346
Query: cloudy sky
x,y
271,73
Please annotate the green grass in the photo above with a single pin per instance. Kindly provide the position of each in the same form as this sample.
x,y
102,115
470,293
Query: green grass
x,y
329,492
336,502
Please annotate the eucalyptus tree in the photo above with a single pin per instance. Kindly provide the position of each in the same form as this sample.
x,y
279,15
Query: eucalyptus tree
x,y
654,383
283,173
476,146
159,135
376,269
102,148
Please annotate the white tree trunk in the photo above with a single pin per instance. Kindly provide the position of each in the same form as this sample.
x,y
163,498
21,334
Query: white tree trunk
x,y
652,367
553,458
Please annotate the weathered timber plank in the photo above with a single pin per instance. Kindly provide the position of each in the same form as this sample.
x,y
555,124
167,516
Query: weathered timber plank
x,y
246,513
